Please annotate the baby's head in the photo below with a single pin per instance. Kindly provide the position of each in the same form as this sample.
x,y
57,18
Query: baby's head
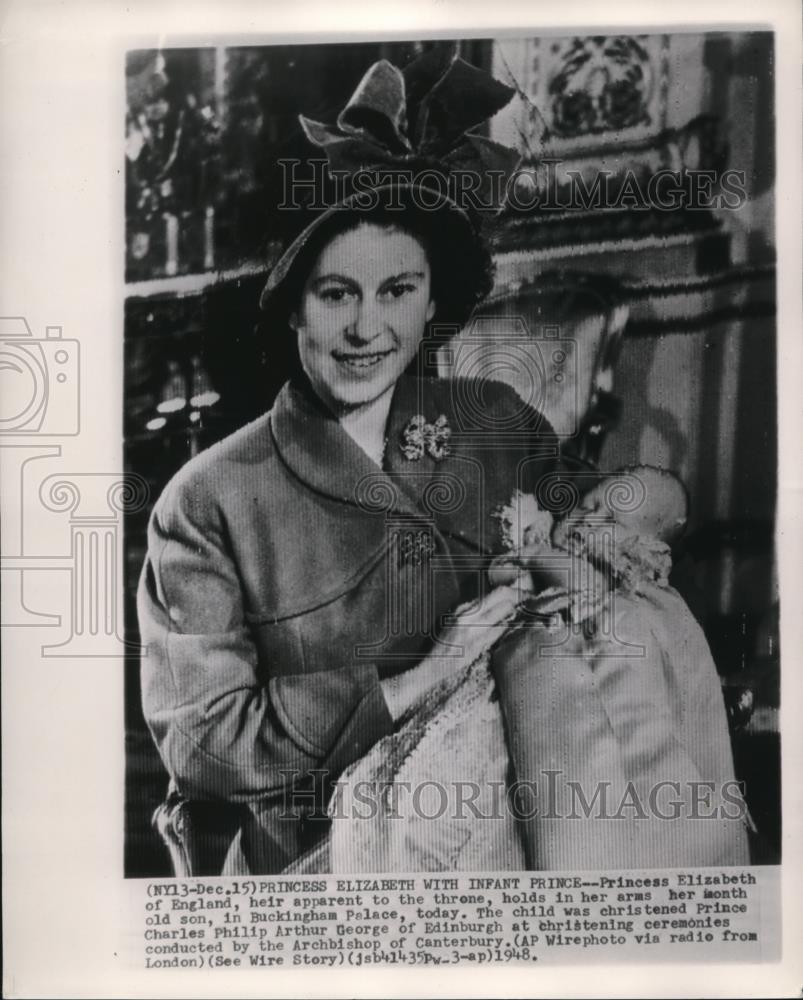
x,y
665,509
661,515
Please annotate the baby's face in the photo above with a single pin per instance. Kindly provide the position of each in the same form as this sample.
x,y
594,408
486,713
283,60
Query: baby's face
x,y
590,526
595,524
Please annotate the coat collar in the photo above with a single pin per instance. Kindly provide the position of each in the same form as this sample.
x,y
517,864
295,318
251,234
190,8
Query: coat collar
x,y
325,458
459,492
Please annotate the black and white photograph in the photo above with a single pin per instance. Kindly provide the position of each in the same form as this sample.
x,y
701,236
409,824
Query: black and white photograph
x,y
451,364
399,419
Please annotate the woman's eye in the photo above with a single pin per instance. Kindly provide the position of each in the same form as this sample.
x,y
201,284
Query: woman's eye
x,y
399,288
334,294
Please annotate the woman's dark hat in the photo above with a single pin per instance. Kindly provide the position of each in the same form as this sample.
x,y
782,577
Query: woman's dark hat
x,y
408,132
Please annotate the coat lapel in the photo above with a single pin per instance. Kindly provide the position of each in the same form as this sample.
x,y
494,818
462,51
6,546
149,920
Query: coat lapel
x,y
325,458
451,491
458,493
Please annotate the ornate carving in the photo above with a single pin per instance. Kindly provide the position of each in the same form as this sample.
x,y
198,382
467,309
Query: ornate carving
x,y
600,84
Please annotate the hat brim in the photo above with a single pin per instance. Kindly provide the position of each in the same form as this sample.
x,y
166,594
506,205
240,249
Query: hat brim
x,y
365,204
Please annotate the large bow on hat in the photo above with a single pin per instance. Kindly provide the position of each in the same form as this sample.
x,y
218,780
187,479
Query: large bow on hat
x,y
419,119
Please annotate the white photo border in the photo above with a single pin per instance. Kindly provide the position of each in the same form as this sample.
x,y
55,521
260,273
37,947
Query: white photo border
x,y
61,114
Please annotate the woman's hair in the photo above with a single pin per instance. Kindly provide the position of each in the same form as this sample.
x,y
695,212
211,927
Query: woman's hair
x,y
459,260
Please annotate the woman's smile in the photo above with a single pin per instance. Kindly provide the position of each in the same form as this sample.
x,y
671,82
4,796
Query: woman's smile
x,y
361,362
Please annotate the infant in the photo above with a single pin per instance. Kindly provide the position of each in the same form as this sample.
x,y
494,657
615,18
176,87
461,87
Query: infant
x,y
618,536
625,704
659,506
631,537
601,701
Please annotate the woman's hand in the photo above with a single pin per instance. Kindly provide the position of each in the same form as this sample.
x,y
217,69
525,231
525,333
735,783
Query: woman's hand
x,y
532,566
478,626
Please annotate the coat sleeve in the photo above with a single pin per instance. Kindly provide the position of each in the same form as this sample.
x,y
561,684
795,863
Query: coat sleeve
x,y
221,731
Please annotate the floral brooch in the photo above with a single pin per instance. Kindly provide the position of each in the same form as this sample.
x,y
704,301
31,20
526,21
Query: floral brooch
x,y
420,438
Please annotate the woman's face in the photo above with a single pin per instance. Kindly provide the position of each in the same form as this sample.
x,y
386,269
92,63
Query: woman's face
x,y
362,314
